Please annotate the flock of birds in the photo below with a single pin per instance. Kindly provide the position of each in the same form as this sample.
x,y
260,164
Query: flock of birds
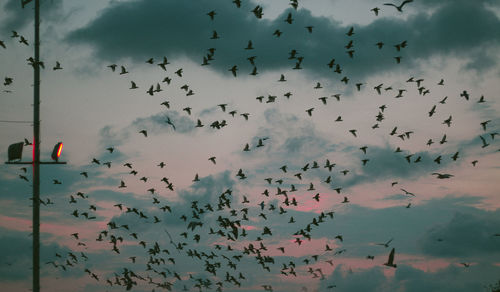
x,y
230,246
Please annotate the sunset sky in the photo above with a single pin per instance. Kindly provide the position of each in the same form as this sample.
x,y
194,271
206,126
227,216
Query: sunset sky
x,y
327,125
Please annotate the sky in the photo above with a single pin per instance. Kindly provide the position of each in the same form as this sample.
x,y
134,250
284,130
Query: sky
x,y
278,148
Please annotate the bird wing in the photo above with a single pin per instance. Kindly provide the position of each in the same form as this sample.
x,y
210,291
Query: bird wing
x,y
391,257
406,1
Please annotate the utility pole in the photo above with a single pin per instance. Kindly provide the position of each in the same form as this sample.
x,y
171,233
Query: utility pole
x,y
36,154
36,149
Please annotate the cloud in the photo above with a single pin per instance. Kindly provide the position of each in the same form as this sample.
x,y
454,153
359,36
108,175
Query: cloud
x,y
465,235
157,123
156,28
407,278
16,254
384,163
154,124
18,18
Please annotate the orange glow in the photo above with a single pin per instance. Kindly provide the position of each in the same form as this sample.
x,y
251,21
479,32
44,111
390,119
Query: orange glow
x,y
59,149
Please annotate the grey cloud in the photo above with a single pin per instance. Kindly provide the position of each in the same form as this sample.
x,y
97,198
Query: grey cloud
x,y
206,191
15,254
108,136
362,226
18,18
465,235
156,123
156,28
384,163
410,279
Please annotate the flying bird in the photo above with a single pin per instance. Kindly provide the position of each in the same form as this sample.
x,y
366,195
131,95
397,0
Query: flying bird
x,y
57,66
400,7
390,259
442,175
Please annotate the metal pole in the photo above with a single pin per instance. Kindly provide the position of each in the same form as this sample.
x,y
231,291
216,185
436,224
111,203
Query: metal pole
x,y
36,154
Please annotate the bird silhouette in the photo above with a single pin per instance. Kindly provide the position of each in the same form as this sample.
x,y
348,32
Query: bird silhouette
x,y
400,7
57,66
442,175
390,259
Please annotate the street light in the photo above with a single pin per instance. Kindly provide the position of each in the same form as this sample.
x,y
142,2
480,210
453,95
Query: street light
x,y
15,151
57,151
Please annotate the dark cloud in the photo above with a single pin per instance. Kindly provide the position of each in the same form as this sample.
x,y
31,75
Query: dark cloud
x,y
16,254
465,235
385,163
407,278
18,18
157,28
361,226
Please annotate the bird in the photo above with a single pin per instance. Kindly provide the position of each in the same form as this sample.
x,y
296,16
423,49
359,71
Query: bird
x,y
483,124
350,32
400,7
447,121
214,35
386,244
57,66
432,111
442,175
249,45
123,70
212,159
233,70
122,185
144,132
375,10
485,144
211,14
133,85
23,40
390,259
443,139
407,192
465,94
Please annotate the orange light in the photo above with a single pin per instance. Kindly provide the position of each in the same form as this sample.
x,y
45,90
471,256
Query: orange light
x,y
60,149
56,153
